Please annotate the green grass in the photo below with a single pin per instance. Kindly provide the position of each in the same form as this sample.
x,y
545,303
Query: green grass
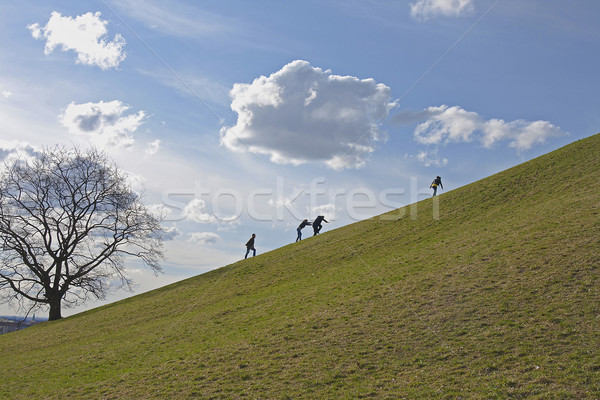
x,y
498,298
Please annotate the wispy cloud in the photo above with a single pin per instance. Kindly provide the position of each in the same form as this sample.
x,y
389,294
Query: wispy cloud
x,y
431,159
205,238
177,18
86,35
425,9
189,20
152,147
305,114
204,88
330,211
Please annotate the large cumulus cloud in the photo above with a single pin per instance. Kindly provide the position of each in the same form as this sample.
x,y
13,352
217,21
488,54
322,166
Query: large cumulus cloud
x,y
305,114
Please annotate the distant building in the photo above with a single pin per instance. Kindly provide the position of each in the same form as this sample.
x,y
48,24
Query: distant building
x,y
11,324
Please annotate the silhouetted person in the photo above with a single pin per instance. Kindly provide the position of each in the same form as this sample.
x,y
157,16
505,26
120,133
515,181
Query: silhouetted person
x,y
317,224
436,182
299,229
250,246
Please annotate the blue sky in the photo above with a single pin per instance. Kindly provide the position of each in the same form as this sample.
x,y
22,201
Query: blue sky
x,y
237,117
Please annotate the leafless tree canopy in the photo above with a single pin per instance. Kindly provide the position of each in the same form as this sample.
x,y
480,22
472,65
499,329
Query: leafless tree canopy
x,y
68,222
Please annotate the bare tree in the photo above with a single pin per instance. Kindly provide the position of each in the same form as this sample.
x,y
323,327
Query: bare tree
x,y
68,222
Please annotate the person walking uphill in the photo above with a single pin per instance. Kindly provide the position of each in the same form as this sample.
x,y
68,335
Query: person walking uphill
x,y
299,229
317,224
436,182
250,246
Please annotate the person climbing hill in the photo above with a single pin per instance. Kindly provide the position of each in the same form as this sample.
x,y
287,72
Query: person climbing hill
x,y
317,224
299,229
434,185
250,246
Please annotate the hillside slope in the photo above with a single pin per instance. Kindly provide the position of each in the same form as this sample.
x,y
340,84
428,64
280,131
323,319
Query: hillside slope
x,y
499,297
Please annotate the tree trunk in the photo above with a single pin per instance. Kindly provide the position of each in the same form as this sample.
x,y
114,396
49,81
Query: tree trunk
x,y
54,303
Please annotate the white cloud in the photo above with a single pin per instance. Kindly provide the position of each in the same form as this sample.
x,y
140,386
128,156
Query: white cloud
x,y
453,124
86,35
136,182
523,135
425,9
160,211
450,124
329,211
16,149
304,114
6,94
429,159
153,147
171,233
205,238
196,211
105,122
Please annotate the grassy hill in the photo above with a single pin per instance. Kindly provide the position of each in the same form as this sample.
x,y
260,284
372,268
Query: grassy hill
x,y
499,297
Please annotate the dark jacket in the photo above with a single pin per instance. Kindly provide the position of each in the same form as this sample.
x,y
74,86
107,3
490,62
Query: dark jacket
x,y
303,224
318,220
250,243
